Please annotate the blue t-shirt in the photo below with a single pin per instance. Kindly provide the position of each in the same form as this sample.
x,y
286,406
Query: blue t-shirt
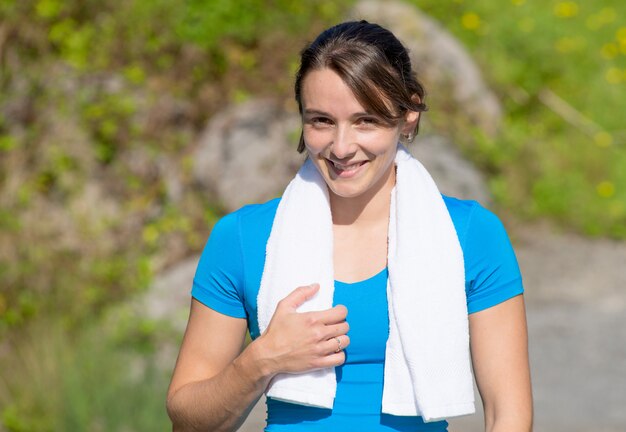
x,y
228,279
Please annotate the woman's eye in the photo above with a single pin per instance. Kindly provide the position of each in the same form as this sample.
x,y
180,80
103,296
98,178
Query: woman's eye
x,y
320,121
369,121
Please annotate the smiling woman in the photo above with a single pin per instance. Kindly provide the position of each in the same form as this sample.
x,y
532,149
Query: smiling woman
x,y
352,148
362,285
373,64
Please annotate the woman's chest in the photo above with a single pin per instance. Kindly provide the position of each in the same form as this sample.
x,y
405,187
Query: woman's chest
x,y
367,316
359,253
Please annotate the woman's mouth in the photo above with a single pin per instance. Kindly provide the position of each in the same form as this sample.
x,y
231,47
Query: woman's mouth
x,y
345,170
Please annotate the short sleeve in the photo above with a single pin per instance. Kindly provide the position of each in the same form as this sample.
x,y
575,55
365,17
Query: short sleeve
x,y
492,271
218,282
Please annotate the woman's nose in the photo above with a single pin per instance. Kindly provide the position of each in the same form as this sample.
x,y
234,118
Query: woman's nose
x,y
344,144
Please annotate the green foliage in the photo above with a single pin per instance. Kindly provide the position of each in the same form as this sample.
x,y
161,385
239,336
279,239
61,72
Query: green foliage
x,y
245,20
96,379
560,69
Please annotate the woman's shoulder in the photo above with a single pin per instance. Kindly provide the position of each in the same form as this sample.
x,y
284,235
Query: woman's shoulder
x,y
253,212
251,218
491,269
471,218
459,207
265,209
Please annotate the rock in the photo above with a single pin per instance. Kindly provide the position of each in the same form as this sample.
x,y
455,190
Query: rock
x,y
248,153
169,295
454,175
440,60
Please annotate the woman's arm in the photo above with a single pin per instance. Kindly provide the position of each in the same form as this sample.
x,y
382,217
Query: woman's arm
x,y
209,391
499,343
216,383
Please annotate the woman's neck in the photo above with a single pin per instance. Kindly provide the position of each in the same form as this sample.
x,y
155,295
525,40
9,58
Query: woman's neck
x,y
368,208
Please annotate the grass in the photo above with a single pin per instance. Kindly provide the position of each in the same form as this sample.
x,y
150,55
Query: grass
x,y
94,379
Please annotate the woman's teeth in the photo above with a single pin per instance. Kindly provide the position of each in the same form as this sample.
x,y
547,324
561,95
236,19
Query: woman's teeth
x,y
350,167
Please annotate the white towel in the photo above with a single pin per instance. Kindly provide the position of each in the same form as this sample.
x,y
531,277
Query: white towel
x,y
427,360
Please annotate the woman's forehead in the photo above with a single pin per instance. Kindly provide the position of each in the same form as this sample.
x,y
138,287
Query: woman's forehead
x,y
324,90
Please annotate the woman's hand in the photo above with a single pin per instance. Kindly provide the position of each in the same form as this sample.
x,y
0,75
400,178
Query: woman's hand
x,y
299,342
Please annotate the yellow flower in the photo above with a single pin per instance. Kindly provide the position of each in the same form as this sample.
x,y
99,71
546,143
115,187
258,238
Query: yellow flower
x,y
605,189
605,16
617,208
620,35
569,44
471,21
603,139
518,2
609,51
566,9
150,234
526,24
592,23
608,15
613,75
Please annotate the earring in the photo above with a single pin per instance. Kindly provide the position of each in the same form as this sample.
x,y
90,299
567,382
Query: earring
x,y
409,137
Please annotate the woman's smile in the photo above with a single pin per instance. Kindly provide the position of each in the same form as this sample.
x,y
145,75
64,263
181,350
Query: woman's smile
x,y
346,170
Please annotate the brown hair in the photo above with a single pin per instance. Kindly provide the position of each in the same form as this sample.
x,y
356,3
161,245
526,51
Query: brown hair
x,y
372,62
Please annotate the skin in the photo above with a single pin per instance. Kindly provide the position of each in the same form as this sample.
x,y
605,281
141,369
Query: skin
x,y
217,381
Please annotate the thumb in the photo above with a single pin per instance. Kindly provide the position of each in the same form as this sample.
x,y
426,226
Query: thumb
x,y
300,295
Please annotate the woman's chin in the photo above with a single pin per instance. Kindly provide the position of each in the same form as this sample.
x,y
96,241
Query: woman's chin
x,y
345,190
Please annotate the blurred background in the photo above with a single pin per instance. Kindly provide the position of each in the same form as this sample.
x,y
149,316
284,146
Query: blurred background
x,y
104,108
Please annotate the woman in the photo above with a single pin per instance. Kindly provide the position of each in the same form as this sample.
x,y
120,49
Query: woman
x,y
341,340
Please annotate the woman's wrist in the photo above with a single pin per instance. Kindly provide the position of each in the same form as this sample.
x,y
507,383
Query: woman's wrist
x,y
254,365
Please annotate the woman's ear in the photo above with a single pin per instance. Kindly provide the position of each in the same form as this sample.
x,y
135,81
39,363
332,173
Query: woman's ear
x,y
410,122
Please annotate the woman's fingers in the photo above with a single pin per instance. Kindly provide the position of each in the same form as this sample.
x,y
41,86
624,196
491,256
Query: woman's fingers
x,y
336,344
333,350
301,294
333,315
298,296
332,360
335,330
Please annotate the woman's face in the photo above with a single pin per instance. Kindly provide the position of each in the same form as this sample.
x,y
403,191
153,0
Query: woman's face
x,y
352,149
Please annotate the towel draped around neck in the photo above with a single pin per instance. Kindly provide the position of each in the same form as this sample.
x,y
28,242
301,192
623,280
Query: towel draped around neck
x,y
427,361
